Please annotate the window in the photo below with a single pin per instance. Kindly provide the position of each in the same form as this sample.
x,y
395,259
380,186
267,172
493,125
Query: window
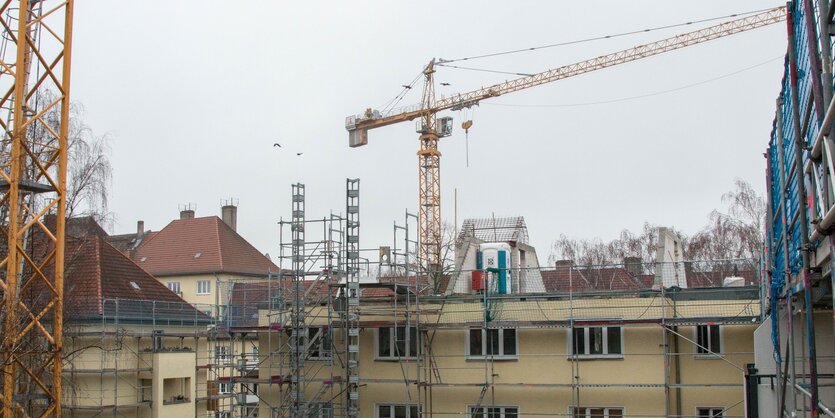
x,y
320,410
708,340
494,412
204,287
398,411
174,287
596,412
711,412
597,341
492,342
319,343
221,353
224,388
219,414
397,342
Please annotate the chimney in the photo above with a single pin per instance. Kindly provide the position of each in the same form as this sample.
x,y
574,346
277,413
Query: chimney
x,y
187,214
633,266
564,263
140,229
229,214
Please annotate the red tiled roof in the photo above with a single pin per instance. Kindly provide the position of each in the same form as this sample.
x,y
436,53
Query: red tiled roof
x,y
593,278
248,297
423,286
95,270
200,246
581,278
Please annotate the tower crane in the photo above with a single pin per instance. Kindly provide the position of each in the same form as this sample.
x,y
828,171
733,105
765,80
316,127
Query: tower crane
x,y
431,128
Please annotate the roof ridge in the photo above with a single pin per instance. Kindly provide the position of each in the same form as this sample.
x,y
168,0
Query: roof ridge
x,y
220,251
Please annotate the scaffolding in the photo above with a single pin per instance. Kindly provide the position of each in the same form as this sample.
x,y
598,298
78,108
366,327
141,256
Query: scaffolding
x,y
111,359
337,305
799,253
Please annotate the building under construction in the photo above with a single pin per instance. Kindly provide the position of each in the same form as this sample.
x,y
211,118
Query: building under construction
x,y
795,358
339,335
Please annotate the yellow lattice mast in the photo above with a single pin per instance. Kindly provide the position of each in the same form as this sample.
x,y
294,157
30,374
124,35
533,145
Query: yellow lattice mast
x,y
35,59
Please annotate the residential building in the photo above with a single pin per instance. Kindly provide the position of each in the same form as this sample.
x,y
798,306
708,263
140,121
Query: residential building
x,y
200,258
132,347
598,352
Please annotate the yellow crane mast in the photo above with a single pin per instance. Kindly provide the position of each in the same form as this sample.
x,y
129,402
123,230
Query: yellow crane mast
x,y
431,129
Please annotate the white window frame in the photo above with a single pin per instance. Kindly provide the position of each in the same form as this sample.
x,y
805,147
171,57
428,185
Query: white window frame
x,y
606,410
485,410
391,413
707,355
224,385
222,352
175,287
392,346
325,410
207,284
722,408
484,355
586,346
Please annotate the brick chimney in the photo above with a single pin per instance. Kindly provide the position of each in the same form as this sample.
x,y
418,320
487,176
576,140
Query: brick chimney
x,y
187,214
633,266
140,229
229,214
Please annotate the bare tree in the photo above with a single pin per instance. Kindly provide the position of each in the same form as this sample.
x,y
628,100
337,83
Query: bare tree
x,y
733,233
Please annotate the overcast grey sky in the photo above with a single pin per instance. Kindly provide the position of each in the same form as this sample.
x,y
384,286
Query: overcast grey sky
x,y
195,93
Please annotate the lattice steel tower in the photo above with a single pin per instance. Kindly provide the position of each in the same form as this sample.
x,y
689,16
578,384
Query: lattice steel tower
x,y
34,109
352,294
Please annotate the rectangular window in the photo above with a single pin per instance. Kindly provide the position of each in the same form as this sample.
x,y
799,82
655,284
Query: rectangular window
x,y
398,411
710,412
494,342
320,410
597,341
708,340
222,353
319,343
204,287
596,412
397,342
224,388
494,412
174,287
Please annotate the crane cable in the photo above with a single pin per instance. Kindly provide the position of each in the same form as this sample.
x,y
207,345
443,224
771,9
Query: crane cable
x,y
443,62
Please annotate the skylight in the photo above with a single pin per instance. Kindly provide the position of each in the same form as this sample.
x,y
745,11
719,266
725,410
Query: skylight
x,y
134,285
142,260
198,255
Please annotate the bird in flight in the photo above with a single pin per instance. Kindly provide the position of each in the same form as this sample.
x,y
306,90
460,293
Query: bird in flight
x,y
299,153
406,87
444,84
277,145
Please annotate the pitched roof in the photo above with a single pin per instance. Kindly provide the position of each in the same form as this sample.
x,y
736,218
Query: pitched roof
x,y
200,246
424,287
96,271
579,278
248,297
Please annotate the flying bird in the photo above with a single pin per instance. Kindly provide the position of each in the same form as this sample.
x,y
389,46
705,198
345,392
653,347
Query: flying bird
x,y
406,87
277,145
444,84
299,153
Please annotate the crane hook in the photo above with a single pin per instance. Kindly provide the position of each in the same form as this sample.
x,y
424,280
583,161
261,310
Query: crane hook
x,y
466,125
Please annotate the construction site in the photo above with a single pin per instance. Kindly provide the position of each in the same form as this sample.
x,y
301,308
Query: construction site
x,y
445,319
